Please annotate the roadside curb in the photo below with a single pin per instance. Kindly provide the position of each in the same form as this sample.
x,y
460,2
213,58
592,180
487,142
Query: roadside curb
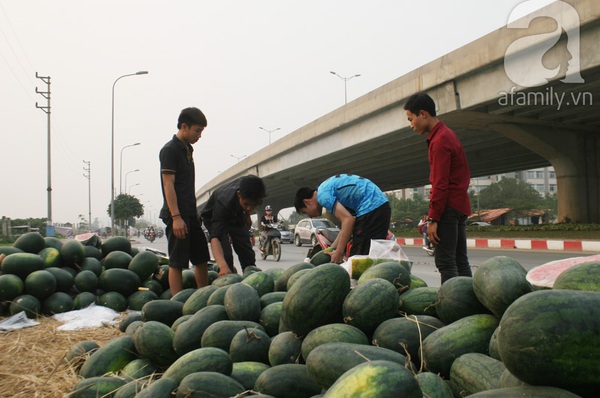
x,y
524,244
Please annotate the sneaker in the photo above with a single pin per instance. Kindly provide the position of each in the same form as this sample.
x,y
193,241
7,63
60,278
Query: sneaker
x,y
425,248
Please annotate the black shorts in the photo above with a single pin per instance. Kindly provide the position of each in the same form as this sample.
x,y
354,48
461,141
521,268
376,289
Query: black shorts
x,y
192,249
373,225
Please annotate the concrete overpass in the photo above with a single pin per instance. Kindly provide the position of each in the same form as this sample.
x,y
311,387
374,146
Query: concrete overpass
x,y
503,126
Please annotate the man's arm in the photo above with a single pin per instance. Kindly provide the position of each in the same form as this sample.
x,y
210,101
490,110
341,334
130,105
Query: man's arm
x,y
217,251
179,228
343,237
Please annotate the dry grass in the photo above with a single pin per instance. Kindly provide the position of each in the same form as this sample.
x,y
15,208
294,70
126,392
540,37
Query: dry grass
x,y
32,359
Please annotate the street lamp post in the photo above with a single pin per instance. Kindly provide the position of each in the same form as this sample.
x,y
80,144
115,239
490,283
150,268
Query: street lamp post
x,y
238,157
121,166
345,79
112,153
129,172
270,132
134,185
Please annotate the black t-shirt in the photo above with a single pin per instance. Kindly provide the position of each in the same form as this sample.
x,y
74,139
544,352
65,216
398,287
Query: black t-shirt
x,y
176,157
223,210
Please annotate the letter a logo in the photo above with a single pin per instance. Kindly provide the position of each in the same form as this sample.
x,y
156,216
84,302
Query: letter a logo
x,y
518,63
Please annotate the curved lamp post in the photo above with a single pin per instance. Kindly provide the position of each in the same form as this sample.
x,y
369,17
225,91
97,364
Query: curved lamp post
x,y
121,167
270,132
112,153
345,79
126,174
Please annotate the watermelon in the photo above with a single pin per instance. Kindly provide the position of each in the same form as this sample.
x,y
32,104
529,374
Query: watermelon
x,y
22,264
271,298
285,347
381,379
218,296
499,281
585,276
111,357
468,334
392,271
154,341
242,303
315,299
543,276
369,304
406,334
419,301
79,352
262,282
165,311
433,386
57,303
51,257
30,242
329,361
11,286
250,345
456,299
335,332
474,372
144,264
156,388
139,368
119,280
72,253
98,386
207,359
286,380
198,299
526,391
115,243
281,282
220,333
117,259
247,372
209,384
28,303
552,338
269,318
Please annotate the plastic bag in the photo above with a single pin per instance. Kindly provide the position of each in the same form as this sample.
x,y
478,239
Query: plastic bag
x,y
387,249
90,317
17,321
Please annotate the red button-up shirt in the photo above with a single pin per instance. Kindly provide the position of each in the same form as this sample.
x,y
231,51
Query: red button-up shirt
x,y
449,172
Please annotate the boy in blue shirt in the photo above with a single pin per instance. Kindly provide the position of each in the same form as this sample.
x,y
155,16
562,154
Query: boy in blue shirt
x,y
361,207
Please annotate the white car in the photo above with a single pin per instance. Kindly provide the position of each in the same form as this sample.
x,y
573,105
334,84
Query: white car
x,y
305,230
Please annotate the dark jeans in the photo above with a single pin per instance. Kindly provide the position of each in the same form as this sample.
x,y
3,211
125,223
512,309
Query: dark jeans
x,y
373,225
451,251
240,239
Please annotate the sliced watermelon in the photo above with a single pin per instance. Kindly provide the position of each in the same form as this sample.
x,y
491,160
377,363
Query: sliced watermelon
x,y
543,276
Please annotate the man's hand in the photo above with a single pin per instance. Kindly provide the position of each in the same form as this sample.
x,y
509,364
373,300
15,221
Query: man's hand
x,y
224,269
337,256
432,233
180,229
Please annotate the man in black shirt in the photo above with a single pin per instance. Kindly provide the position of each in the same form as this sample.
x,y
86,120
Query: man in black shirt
x,y
186,240
226,215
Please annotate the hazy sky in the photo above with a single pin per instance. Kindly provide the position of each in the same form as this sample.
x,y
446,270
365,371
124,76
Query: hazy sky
x,y
246,64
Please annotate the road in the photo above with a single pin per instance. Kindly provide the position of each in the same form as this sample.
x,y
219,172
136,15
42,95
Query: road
x,y
423,265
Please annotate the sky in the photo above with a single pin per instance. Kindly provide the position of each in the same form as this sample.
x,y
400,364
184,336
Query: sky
x,y
245,64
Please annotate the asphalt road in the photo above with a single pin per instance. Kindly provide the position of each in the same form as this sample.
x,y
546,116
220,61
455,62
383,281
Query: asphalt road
x,y
423,265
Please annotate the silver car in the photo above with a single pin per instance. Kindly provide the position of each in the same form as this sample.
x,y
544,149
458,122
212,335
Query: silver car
x,y
305,230
286,235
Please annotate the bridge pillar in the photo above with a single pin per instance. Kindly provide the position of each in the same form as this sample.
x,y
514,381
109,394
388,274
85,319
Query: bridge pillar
x,y
574,156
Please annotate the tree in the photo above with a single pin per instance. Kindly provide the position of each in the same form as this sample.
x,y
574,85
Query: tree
x,y
515,194
127,207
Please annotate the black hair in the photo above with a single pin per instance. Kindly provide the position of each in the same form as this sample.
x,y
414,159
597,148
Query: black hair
x,y
253,188
420,102
301,194
191,116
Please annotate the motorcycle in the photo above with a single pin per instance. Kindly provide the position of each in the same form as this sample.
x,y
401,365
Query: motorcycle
x,y
150,236
326,237
273,248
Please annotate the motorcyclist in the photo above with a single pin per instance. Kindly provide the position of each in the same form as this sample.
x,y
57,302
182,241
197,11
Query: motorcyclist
x,y
265,222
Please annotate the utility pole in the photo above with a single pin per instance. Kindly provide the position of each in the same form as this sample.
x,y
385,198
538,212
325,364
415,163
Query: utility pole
x,y
46,109
88,169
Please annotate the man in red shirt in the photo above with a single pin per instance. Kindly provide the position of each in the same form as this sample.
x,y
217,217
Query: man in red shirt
x,y
449,175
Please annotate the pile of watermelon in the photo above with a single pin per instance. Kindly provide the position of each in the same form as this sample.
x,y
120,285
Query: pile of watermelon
x,y
304,332
46,276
